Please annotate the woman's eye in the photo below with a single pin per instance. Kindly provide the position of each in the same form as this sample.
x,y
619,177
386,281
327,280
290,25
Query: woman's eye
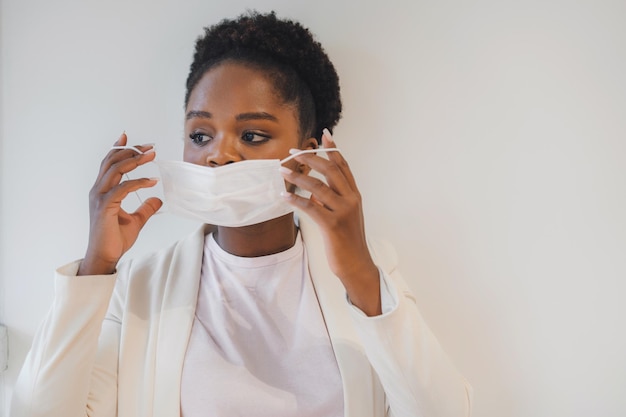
x,y
199,138
253,137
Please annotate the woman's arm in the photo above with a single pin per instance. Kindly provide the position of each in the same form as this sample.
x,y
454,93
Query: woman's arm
x,y
112,230
336,207
71,369
417,376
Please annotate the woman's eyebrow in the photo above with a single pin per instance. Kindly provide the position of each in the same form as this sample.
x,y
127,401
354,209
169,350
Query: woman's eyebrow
x,y
240,117
255,116
197,113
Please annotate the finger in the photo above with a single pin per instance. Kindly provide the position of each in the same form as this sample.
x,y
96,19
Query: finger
x,y
313,209
116,155
337,157
332,172
134,148
121,141
121,191
129,158
146,210
321,192
115,173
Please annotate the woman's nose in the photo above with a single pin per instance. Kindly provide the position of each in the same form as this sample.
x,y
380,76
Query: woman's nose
x,y
224,151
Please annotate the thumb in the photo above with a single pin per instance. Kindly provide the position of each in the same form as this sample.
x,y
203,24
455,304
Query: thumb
x,y
147,210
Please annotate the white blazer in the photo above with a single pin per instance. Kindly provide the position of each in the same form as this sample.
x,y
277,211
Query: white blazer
x,y
114,345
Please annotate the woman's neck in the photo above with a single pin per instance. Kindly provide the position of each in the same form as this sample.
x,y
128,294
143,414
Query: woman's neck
x,y
261,239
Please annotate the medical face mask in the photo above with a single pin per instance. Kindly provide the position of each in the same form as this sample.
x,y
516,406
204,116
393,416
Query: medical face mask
x,y
233,195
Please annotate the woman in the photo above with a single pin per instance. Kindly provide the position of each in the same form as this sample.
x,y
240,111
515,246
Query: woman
x,y
268,314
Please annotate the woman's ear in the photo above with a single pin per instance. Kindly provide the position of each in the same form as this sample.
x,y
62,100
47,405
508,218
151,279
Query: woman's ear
x,y
310,143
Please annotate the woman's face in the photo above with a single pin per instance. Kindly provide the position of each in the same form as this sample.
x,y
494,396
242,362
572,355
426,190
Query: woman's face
x,y
233,114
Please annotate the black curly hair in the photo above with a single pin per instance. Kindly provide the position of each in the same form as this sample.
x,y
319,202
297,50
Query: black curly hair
x,y
290,56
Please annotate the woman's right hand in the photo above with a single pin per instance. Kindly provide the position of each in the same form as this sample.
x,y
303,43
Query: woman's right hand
x,y
112,230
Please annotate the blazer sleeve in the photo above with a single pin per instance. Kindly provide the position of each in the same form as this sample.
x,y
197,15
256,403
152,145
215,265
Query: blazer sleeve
x,y
71,368
418,377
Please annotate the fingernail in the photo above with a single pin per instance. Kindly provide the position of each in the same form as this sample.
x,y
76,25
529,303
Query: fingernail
x,y
294,150
120,138
151,150
284,170
326,133
157,179
286,195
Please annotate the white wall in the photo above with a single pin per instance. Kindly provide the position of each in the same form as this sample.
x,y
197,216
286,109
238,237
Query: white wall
x,y
487,138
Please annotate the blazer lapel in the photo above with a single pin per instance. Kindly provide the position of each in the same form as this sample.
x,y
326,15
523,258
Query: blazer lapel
x,y
177,314
362,396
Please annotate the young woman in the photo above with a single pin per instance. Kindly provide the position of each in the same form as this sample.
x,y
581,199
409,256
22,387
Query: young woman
x,y
260,312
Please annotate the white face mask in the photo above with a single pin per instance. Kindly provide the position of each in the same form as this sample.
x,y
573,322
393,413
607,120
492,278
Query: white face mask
x,y
233,195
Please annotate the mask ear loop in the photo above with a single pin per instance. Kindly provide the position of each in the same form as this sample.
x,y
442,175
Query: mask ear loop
x,y
126,174
134,148
290,157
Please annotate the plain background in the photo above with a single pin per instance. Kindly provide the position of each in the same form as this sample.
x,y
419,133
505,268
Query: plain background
x,y
487,137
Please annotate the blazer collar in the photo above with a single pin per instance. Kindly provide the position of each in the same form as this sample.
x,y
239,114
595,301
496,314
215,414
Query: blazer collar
x,y
361,397
177,314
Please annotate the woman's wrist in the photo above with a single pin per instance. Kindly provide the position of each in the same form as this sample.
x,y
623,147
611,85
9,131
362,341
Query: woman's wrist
x,y
364,291
89,266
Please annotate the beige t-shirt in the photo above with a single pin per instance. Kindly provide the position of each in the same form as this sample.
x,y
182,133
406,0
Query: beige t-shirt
x,y
259,346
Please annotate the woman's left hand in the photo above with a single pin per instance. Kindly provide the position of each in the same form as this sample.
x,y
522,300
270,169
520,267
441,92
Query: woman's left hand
x,y
337,210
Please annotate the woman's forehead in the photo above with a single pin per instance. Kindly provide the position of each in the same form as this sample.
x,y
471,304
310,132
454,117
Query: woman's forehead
x,y
229,81
229,89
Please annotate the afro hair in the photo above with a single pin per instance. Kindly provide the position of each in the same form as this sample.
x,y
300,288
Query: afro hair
x,y
287,52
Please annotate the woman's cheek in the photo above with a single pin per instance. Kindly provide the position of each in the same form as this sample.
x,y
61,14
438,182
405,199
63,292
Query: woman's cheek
x,y
193,155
